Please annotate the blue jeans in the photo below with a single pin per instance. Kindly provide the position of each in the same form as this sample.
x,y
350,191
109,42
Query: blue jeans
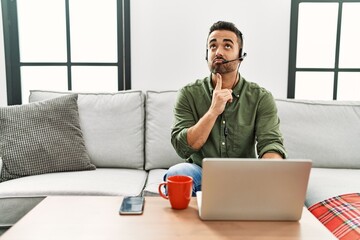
x,y
187,169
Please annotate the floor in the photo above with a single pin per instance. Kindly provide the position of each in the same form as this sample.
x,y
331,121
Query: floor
x,y
2,230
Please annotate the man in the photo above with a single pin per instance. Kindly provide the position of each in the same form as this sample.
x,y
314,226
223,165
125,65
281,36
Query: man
x,y
223,115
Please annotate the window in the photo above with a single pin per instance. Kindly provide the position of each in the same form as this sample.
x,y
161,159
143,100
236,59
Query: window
x,y
324,61
80,45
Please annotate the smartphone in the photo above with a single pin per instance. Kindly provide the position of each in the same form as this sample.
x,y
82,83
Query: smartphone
x,y
132,205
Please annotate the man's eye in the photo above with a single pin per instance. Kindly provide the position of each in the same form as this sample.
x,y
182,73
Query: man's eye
x,y
228,46
212,46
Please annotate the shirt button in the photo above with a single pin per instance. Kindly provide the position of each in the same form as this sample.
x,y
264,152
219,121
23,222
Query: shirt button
x,y
223,122
223,143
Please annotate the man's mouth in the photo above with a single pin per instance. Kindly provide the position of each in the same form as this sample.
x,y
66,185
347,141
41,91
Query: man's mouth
x,y
218,60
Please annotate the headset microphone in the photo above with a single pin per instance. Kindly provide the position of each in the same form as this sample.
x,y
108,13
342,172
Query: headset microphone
x,y
240,58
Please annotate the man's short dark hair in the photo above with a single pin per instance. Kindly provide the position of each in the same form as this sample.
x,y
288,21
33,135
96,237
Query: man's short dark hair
x,y
222,25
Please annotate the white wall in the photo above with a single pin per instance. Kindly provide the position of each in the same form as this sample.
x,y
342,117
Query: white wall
x,y
168,41
3,96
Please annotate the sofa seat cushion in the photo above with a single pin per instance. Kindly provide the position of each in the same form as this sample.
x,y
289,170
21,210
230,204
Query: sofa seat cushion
x,y
325,183
155,177
340,214
112,126
19,196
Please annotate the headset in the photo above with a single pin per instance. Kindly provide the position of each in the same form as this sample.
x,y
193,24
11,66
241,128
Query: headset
x,y
241,56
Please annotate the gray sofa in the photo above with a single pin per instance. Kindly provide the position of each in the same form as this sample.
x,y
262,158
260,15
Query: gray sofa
x,y
328,132
127,136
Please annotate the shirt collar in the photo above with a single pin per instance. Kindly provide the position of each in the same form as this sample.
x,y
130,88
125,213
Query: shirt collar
x,y
236,90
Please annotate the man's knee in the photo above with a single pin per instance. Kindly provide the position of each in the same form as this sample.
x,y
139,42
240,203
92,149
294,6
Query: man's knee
x,y
179,169
187,169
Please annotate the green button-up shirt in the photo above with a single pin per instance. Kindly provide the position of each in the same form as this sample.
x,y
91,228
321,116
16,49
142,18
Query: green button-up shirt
x,y
249,125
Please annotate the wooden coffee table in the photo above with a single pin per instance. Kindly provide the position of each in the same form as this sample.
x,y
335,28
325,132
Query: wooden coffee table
x,y
92,217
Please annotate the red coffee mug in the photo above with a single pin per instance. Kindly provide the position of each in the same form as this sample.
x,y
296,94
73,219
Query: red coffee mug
x,y
179,189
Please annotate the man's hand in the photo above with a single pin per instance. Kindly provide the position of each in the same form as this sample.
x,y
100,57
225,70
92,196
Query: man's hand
x,y
220,97
199,133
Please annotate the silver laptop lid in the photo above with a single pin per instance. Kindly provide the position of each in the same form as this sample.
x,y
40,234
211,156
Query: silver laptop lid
x,y
253,189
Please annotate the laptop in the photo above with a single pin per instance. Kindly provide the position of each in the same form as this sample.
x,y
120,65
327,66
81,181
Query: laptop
x,y
253,189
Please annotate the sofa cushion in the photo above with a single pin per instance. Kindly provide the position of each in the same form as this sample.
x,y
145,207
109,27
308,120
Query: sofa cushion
x,y
112,125
42,137
19,196
325,131
155,177
159,153
325,183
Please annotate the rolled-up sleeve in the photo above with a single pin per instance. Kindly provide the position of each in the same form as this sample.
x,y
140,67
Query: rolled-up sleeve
x,y
183,119
268,134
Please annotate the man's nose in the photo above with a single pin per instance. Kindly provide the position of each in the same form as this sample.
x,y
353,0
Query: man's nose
x,y
218,53
219,56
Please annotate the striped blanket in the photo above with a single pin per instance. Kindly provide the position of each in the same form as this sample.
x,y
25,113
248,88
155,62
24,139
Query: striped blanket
x,y
341,215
